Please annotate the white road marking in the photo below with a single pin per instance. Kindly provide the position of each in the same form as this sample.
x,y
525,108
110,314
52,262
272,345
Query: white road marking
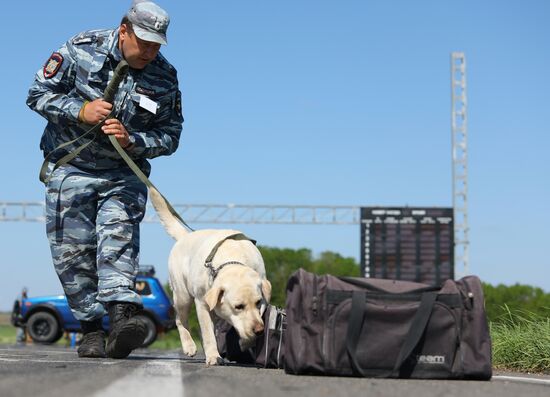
x,y
153,378
522,379
47,360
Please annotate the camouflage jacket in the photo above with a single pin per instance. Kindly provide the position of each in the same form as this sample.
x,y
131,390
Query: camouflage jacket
x,y
80,70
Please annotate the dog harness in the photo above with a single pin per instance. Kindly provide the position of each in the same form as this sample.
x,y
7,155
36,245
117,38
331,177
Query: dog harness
x,y
208,263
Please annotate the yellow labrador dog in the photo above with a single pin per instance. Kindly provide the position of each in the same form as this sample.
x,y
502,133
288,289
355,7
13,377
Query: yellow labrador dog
x,y
221,271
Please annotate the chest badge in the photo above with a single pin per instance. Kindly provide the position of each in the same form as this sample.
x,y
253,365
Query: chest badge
x,y
53,64
145,91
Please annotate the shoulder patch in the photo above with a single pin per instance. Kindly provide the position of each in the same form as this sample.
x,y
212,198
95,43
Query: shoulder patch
x,y
52,65
178,104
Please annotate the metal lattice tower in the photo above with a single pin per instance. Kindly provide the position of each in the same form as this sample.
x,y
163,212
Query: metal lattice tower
x,y
460,161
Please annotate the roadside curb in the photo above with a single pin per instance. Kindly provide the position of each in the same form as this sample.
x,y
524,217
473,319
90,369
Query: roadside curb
x,y
523,378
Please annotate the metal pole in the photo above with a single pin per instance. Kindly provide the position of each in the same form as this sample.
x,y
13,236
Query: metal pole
x,y
459,136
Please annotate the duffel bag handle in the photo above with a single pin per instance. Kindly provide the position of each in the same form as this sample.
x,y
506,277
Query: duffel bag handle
x,y
418,326
361,282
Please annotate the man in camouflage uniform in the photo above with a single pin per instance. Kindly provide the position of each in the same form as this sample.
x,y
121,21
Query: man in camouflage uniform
x,y
94,203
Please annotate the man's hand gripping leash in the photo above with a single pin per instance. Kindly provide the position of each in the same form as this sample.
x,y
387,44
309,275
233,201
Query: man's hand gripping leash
x,y
108,96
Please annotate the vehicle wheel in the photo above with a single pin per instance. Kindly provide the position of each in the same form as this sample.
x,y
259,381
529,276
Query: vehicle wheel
x,y
151,330
43,328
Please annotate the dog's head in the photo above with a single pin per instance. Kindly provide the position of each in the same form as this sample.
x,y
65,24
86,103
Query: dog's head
x,y
239,295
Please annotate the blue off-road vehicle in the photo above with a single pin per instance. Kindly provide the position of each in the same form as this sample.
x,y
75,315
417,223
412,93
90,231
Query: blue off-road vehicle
x,y
46,318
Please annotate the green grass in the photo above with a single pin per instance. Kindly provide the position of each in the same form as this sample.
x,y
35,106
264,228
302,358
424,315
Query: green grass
x,y
7,334
171,340
521,342
7,331
168,340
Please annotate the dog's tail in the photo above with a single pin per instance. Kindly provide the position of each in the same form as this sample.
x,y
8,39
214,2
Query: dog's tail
x,y
169,221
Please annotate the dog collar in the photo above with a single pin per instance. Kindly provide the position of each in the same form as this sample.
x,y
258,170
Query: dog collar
x,y
214,271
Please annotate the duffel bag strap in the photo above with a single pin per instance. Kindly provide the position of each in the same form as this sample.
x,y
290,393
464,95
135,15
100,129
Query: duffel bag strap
x,y
355,324
418,326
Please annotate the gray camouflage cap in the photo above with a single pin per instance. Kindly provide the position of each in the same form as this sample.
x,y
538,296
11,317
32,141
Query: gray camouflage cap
x,y
149,21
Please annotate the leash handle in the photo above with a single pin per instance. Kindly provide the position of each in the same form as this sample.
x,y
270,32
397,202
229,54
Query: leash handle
x,y
108,95
120,72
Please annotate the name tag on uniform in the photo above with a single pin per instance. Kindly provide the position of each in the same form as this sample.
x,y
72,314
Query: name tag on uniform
x,y
148,104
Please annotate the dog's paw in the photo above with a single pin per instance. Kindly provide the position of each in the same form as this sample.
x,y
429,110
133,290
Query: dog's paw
x,y
190,349
214,360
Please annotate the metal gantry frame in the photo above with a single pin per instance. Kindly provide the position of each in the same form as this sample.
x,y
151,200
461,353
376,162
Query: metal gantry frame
x,y
459,132
217,213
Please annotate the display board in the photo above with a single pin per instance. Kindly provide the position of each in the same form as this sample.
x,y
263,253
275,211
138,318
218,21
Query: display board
x,y
407,243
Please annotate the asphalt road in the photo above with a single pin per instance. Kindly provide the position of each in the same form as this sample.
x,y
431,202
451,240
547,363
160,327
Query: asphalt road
x,y
32,371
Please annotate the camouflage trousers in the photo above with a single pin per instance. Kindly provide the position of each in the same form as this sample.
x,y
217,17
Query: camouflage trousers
x,y
92,221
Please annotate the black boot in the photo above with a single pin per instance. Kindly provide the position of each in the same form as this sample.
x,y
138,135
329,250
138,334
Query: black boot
x,y
125,332
93,339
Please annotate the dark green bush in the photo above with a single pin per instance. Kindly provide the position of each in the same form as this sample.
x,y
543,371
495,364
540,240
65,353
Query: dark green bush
x,y
502,300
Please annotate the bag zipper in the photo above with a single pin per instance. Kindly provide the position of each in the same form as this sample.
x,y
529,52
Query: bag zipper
x,y
469,295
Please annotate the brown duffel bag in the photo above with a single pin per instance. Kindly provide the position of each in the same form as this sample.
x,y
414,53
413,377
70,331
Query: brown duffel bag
x,y
351,326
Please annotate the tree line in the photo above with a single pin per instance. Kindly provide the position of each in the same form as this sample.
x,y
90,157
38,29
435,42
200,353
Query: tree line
x,y
503,302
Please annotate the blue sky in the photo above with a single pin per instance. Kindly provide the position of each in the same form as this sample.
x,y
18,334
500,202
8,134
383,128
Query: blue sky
x,y
317,102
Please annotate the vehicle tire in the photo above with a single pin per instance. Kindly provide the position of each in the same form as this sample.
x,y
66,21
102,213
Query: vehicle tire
x,y
151,329
43,328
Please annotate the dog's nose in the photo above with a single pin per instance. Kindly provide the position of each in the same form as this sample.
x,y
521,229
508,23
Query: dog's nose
x,y
258,329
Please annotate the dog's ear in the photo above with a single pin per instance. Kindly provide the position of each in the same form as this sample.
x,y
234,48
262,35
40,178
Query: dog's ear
x,y
266,290
213,296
